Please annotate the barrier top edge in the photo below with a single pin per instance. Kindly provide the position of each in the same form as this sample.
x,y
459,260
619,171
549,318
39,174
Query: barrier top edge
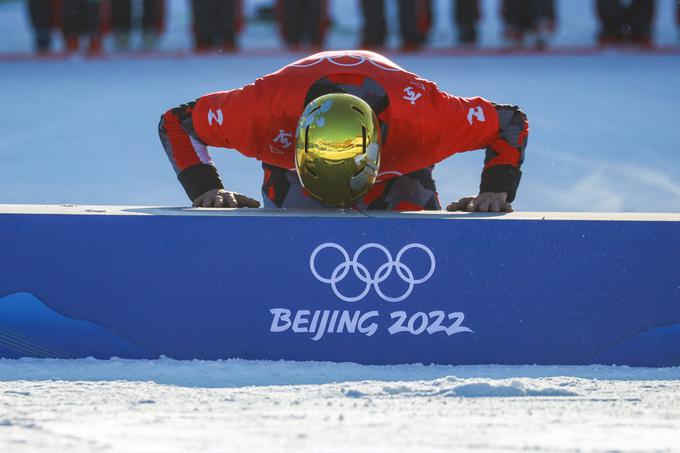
x,y
206,212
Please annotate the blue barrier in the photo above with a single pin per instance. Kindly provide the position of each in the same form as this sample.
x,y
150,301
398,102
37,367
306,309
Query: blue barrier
x,y
388,288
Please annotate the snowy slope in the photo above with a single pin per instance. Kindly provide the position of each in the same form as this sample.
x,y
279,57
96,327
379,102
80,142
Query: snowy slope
x,y
604,129
282,406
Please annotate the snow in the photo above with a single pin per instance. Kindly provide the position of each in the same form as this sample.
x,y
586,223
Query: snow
x,y
235,405
604,137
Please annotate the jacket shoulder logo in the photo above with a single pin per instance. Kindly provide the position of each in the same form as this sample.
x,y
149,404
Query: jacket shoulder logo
x,y
285,139
215,116
476,112
410,95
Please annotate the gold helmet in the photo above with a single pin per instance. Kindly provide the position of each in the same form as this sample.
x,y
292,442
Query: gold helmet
x,y
337,148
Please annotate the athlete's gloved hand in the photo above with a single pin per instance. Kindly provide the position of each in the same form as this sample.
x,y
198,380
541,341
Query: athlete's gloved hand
x,y
220,198
484,202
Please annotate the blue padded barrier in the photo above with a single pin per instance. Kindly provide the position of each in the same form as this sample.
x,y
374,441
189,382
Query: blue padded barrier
x,y
523,288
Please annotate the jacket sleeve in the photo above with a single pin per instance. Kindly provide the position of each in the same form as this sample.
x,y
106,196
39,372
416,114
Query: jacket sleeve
x,y
466,124
187,153
505,153
220,119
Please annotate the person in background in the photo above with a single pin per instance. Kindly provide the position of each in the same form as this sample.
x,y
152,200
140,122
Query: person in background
x,y
415,19
82,18
43,18
466,15
677,9
528,21
153,12
216,24
303,22
374,30
625,21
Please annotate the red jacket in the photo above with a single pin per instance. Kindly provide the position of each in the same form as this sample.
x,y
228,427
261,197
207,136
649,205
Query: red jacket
x,y
425,124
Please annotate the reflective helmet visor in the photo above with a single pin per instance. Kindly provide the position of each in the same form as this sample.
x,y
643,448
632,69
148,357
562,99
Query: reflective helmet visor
x,y
337,148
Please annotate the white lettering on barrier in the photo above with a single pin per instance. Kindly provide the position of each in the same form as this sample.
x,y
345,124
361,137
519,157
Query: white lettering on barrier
x,y
430,322
317,323
281,321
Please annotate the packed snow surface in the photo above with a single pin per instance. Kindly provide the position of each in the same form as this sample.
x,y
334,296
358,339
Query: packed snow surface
x,y
234,405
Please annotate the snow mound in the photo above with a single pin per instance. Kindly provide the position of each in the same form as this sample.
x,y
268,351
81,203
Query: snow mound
x,y
514,389
452,386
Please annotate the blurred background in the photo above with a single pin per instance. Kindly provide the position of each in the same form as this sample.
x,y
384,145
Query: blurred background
x,y
84,83
97,26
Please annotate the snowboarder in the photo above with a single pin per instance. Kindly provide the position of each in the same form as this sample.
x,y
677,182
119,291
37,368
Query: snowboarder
x,y
345,129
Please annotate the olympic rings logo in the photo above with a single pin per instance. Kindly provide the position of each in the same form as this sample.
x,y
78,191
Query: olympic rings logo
x,y
351,60
362,273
